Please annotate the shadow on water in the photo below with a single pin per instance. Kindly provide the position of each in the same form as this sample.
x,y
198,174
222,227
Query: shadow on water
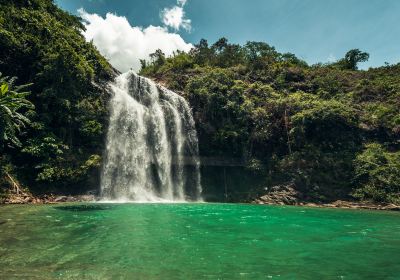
x,y
2,222
84,208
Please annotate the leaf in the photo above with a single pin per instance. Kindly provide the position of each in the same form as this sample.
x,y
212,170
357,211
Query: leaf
x,y
4,88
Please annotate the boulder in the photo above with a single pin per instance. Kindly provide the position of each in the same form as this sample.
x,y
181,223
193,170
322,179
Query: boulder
x,y
282,195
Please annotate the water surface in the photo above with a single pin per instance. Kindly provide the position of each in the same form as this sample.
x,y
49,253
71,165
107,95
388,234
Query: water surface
x,y
197,241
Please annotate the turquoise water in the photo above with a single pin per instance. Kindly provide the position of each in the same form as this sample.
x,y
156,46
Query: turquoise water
x,y
197,241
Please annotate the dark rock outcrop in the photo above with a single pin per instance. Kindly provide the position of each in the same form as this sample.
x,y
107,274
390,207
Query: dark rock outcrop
x,y
282,195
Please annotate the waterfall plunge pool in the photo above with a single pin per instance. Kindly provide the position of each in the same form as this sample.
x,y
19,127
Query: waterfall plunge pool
x,y
197,241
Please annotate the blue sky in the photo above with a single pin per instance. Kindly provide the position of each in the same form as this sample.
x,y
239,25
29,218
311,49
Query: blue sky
x,y
314,30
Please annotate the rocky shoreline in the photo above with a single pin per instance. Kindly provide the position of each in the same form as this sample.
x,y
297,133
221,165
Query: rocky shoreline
x,y
46,199
288,195
282,195
338,204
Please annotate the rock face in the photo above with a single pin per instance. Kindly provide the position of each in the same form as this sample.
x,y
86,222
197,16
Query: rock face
x,y
281,195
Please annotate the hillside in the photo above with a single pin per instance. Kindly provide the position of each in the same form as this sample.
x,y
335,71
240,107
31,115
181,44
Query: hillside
x,y
60,148
264,118
330,130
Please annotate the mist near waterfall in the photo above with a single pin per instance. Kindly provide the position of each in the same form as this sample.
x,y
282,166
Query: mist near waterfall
x,y
152,146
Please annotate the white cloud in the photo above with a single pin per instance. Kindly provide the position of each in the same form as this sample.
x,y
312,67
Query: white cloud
x,y
175,17
124,45
331,58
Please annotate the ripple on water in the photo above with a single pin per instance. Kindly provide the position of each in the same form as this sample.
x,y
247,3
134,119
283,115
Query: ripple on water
x,y
85,207
193,241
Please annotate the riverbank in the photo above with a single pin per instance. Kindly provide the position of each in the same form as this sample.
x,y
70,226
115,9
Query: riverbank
x,y
337,204
56,199
27,198
289,195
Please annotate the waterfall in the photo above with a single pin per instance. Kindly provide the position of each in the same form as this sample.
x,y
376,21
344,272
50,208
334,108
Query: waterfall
x,y
151,147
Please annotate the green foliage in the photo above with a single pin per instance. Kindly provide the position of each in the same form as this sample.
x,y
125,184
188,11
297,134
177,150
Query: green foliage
x,y
352,58
92,128
283,118
13,106
216,99
43,45
59,170
377,173
45,148
318,121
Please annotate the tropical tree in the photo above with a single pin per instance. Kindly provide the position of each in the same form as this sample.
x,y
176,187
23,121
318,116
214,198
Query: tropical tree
x,y
158,57
352,58
13,105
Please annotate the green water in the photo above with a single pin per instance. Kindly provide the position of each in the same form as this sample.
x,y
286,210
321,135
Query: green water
x,y
197,241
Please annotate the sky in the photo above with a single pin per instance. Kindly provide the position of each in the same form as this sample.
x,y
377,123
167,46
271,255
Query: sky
x,y
314,30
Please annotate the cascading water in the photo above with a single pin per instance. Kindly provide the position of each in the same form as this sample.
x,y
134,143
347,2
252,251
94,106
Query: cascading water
x,y
152,146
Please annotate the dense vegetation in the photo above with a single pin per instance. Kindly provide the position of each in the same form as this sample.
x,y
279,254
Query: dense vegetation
x,y
56,144
330,129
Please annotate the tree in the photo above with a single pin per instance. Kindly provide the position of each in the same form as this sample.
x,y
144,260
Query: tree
x,y
158,58
352,58
143,63
258,54
201,53
225,54
13,102
220,45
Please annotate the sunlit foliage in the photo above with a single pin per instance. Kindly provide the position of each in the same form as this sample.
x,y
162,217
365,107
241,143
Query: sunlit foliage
x,y
301,123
